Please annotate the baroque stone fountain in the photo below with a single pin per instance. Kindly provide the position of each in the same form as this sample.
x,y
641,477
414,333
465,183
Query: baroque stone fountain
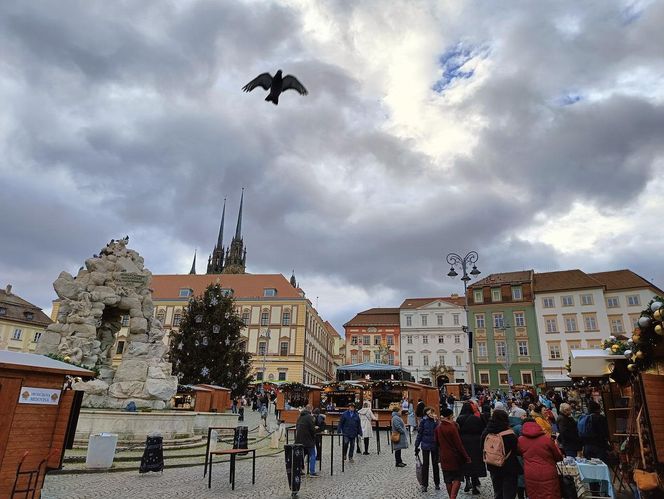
x,y
112,284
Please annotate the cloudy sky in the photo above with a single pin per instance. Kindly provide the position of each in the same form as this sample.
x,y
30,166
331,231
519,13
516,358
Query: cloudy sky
x,y
531,134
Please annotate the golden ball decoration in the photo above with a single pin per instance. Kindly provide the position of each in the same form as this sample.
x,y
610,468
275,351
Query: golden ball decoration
x,y
631,367
640,355
67,358
636,338
614,348
658,315
659,329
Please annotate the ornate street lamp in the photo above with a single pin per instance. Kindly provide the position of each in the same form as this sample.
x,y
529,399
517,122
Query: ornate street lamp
x,y
462,264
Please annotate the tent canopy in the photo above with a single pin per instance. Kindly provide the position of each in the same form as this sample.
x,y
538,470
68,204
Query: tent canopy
x,y
593,363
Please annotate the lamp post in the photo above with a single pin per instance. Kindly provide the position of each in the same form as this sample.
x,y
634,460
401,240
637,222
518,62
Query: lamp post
x,y
266,336
462,264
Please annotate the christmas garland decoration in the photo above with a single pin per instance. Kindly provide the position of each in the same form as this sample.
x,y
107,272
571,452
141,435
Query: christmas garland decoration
x,y
648,333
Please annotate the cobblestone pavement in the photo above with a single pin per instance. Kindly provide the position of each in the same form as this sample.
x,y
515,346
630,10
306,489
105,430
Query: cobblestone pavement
x,y
372,476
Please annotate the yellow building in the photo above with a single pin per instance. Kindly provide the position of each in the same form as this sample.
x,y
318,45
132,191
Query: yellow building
x,y
21,322
284,333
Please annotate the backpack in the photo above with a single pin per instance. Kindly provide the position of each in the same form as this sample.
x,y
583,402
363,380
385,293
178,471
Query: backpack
x,y
494,448
585,426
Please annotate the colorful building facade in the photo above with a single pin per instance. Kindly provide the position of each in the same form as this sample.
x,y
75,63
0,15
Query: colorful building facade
x,y
373,336
21,322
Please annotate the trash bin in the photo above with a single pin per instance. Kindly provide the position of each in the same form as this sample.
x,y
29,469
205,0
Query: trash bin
x,y
101,450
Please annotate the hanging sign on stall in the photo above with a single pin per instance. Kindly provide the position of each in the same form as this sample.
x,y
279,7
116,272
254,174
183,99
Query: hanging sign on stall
x,y
43,396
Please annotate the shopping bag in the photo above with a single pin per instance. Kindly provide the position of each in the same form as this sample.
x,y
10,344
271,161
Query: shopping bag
x,y
567,485
418,468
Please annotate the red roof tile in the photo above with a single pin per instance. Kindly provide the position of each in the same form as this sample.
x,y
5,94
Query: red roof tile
x,y
419,302
244,286
623,279
376,317
564,279
16,309
504,278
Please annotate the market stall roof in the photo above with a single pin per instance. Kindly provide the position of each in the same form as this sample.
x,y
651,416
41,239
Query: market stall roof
x,y
368,366
557,379
593,363
33,361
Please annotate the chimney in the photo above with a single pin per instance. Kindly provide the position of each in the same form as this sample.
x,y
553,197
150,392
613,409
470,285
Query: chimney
x,y
8,289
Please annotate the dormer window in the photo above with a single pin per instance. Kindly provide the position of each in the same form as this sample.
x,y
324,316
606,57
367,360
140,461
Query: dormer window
x,y
269,292
226,292
185,292
29,315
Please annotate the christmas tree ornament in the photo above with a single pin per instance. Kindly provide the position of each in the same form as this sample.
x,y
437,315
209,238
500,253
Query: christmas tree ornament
x,y
632,367
640,355
216,329
180,345
628,353
204,341
659,329
227,341
196,343
644,322
636,338
658,314
214,301
656,305
198,318
205,371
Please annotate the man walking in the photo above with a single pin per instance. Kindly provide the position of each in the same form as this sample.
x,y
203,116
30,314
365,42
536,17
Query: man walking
x,y
305,434
351,428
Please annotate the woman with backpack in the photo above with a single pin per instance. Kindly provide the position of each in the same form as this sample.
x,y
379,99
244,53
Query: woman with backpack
x,y
594,432
540,455
470,429
500,447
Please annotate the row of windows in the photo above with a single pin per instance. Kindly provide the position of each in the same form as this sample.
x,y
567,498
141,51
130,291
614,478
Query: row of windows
x,y
501,349
587,299
458,360
281,376
424,320
366,340
17,335
504,378
496,294
556,354
356,357
425,339
283,348
246,318
499,320
589,323
187,292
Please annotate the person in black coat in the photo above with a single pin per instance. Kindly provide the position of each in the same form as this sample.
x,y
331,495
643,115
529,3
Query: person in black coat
x,y
597,444
470,429
426,438
305,434
504,478
568,433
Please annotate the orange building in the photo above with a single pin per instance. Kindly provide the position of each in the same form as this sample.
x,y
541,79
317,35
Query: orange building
x,y
373,336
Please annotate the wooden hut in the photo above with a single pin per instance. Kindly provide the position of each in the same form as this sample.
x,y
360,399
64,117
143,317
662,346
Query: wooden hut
x,y
38,416
291,397
221,398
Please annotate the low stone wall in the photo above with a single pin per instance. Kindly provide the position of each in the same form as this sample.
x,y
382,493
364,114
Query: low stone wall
x,y
135,426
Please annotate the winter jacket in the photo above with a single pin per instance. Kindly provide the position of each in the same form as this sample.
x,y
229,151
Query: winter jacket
x,y
451,453
510,443
600,432
305,430
419,410
568,434
540,455
366,418
542,422
349,424
470,429
426,434
398,426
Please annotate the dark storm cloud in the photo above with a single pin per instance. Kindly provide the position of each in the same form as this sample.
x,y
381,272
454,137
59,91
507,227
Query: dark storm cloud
x,y
128,118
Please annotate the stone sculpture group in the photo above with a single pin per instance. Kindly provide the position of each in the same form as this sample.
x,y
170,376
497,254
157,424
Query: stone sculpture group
x,y
113,284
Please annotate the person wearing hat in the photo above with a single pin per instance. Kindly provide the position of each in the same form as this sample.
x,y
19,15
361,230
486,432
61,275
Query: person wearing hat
x,y
350,427
451,452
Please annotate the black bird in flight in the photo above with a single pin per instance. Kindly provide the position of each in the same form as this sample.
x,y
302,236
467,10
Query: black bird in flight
x,y
275,85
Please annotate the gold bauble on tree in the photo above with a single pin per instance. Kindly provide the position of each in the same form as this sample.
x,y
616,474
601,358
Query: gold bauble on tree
x,y
659,329
632,367
639,355
636,338
658,315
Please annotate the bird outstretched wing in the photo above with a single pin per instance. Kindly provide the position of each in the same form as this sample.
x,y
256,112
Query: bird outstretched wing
x,y
291,82
262,80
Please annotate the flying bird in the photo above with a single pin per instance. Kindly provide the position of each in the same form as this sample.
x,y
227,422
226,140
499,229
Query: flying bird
x,y
275,84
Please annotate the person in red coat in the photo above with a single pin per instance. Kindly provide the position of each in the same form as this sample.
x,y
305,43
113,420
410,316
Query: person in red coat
x,y
540,455
451,452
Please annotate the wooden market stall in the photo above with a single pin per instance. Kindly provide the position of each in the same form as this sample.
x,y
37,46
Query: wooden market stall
x,y
220,398
193,398
38,415
292,397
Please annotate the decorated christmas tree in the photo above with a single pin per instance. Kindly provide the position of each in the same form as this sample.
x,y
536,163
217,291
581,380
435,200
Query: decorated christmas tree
x,y
209,348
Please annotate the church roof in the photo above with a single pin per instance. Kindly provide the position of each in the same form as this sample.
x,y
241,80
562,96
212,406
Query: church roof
x,y
167,287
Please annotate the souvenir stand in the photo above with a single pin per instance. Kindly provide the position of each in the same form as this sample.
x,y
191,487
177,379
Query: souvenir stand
x,y
292,397
193,398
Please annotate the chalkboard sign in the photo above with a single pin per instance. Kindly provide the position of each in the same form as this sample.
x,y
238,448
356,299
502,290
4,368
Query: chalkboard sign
x,y
241,438
153,455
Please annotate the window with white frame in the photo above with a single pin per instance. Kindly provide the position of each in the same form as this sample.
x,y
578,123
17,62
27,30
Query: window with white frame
x,y
567,301
495,294
425,360
377,340
457,338
269,292
185,292
161,316
425,339
517,293
262,348
481,349
409,339
455,319
498,321
409,360
548,302
423,319
409,320
389,340
526,378
439,319
441,339
458,360
503,378
501,349
36,336
282,375
519,319
570,324
586,299
441,359
590,322
377,358
16,335
353,340
523,348
366,356
353,358
633,300
366,339
265,318
177,319
283,348
479,321
554,351
390,358
246,317
285,318
617,325
551,324
484,378
478,296
612,302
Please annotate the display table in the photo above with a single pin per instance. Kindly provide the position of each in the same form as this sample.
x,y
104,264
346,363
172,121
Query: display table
x,y
585,473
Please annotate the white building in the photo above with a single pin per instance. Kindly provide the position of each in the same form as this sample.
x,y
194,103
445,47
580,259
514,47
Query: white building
x,y
576,310
432,333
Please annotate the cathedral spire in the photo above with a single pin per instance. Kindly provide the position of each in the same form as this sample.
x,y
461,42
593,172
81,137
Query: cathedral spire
x,y
193,265
238,229
216,260
220,238
293,282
